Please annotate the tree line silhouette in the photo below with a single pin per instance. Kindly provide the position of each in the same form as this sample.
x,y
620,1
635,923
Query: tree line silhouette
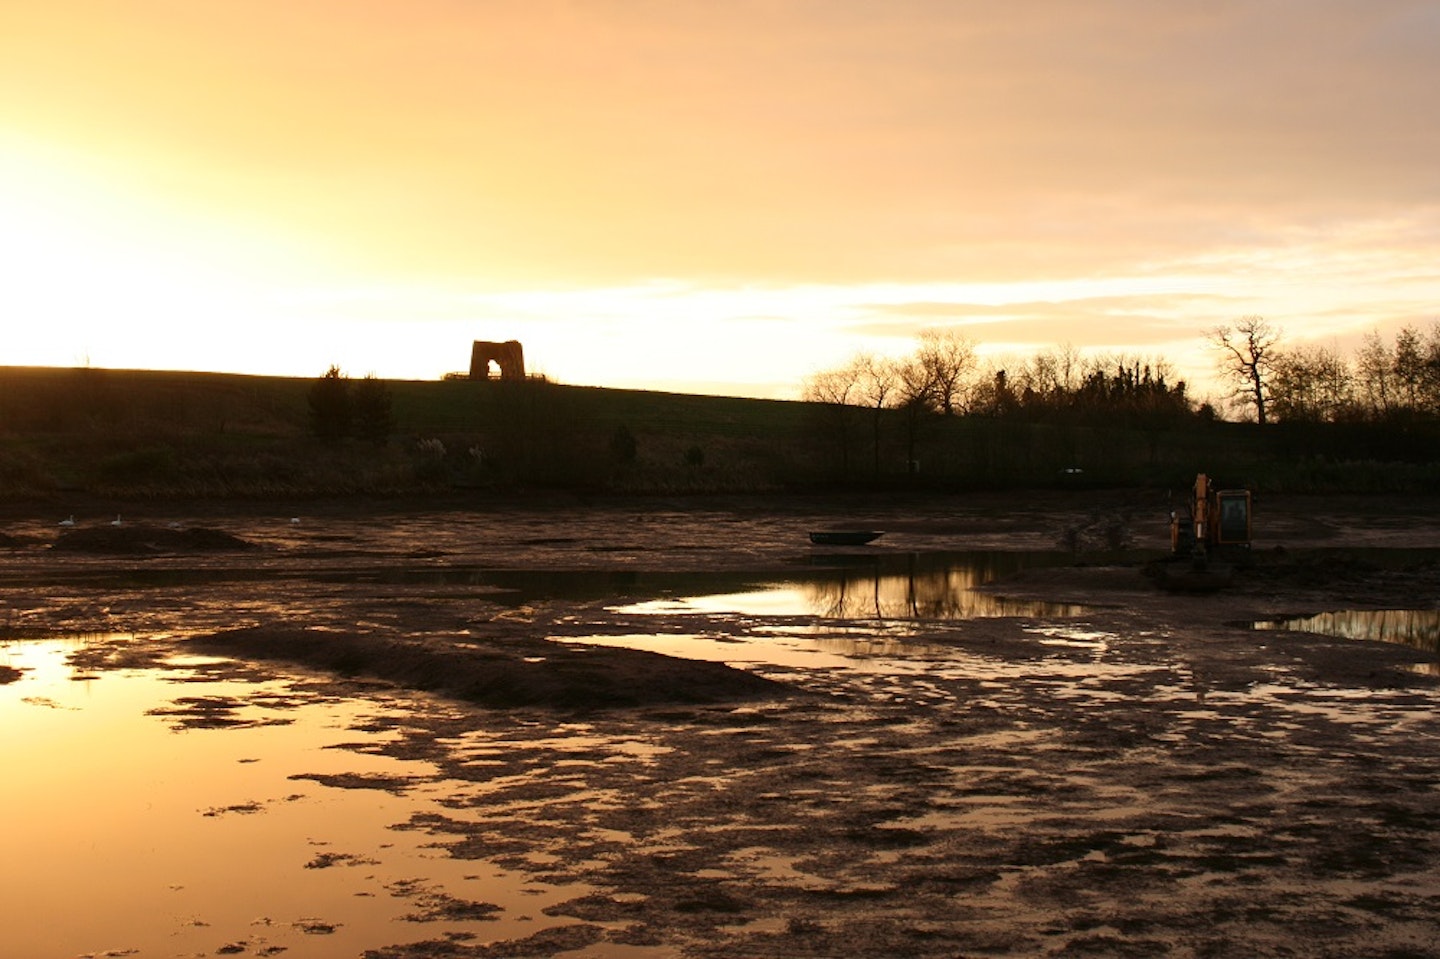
x,y
1270,380
1119,415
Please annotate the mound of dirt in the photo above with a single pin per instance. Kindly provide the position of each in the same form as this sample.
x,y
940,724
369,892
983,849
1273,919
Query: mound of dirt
x,y
149,539
517,672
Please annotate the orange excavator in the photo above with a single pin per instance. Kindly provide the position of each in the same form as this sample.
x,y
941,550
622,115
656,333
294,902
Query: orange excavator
x,y
1210,536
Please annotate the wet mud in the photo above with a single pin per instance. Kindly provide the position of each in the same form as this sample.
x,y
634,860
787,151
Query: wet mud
x,y
521,671
123,538
1149,776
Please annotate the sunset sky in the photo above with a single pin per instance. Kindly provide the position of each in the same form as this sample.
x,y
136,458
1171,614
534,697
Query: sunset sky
x,y
706,196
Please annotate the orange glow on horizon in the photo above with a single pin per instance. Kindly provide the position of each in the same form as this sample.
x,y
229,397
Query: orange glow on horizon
x,y
695,197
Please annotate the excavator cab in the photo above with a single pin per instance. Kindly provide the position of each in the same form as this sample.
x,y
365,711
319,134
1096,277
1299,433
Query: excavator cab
x,y
1216,520
1232,526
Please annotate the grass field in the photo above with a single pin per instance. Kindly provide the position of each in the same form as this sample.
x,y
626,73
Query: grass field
x,y
138,433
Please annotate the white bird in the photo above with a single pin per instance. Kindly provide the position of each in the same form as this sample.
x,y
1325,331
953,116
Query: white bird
x,y
68,521
116,520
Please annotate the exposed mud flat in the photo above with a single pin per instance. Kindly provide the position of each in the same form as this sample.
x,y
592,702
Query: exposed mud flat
x,y
122,538
518,672
1148,777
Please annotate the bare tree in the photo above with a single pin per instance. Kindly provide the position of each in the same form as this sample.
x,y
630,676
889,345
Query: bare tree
x,y
1375,371
1248,349
1409,367
914,384
836,392
1054,374
947,358
835,387
918,396
877,381
1430,379
1311,383
879,388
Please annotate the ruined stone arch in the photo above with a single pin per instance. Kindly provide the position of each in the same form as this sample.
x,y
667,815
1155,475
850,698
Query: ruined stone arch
x,y
508,356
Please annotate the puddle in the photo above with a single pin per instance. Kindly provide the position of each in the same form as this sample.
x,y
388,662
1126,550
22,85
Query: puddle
x,y
777,648
861,617
933,586
138,826
1416,628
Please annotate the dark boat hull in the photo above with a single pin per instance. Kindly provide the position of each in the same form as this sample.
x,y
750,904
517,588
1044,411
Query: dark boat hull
x,y
844,537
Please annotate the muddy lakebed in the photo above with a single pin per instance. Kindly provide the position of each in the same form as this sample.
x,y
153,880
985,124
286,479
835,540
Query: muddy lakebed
x,y
677,729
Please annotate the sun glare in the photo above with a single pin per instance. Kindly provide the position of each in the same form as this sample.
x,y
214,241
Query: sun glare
x,y
82,269
95,273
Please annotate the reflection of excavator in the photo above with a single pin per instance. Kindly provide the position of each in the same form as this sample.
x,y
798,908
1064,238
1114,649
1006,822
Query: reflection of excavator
x,y
1210,536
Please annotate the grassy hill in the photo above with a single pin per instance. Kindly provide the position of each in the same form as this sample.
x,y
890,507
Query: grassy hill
x,y
161,433
138,433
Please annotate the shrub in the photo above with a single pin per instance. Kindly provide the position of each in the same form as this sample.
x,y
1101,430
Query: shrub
x,y
330,406
430,460
371,409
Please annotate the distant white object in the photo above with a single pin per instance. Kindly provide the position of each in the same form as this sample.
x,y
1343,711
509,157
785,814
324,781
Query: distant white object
x,y
294,521
68,521
116,520
173,525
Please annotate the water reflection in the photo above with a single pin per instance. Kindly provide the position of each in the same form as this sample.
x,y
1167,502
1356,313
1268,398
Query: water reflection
x,y
1416,628
784,649
888,586
134,834
943,586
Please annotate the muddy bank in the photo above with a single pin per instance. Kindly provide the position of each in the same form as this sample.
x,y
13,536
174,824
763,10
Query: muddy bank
x,y
148,539
517,672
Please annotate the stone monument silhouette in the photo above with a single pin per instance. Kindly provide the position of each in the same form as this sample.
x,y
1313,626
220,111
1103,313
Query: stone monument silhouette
x,y
508,356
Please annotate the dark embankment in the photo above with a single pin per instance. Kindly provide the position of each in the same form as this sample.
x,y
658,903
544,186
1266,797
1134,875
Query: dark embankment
x,y
149,539
146,435
519,672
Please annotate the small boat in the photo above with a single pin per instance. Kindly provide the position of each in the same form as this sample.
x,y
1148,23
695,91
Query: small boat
x,y
843,537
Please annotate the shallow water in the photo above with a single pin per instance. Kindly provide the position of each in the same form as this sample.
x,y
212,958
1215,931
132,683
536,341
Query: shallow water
x,y
882,585
1416,628
192,812
156,813
940,586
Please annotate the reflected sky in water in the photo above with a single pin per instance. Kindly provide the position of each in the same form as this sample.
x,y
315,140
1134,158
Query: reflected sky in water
x,y
864,614
863,650
1416,628
133,832
940,586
